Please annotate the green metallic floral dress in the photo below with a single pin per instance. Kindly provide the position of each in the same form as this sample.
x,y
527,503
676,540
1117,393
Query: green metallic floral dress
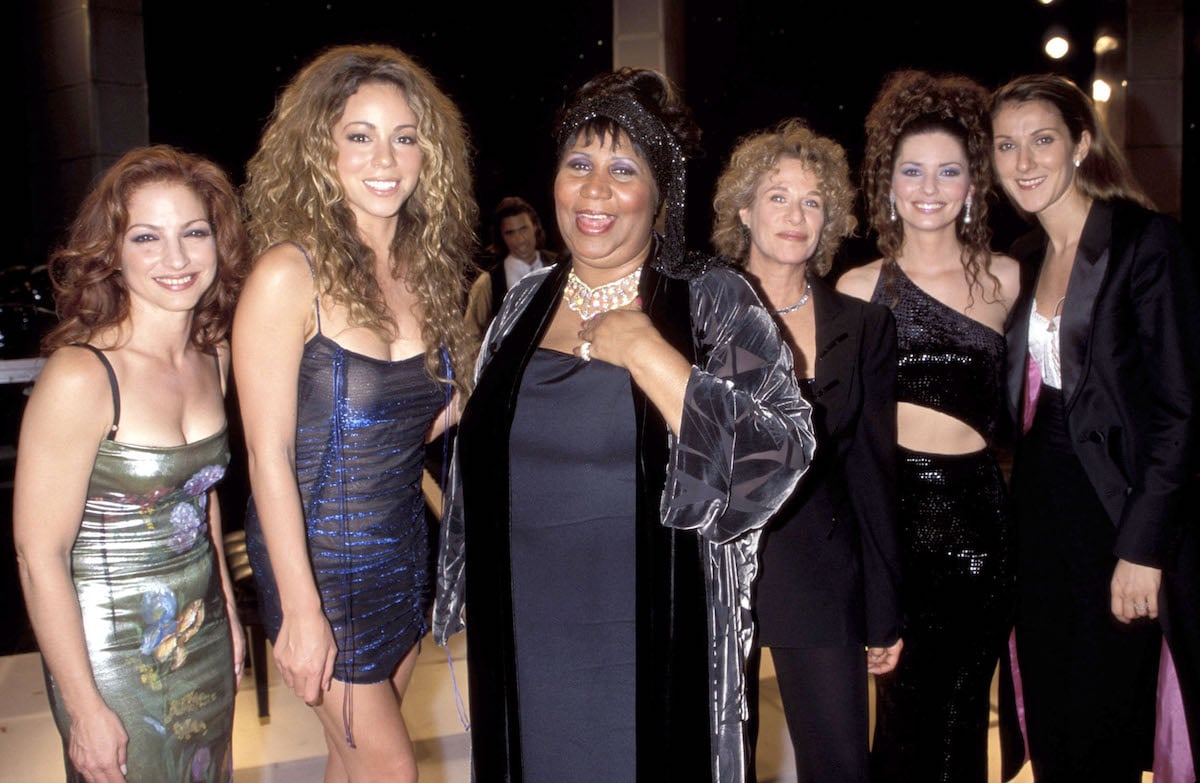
x,y
153,610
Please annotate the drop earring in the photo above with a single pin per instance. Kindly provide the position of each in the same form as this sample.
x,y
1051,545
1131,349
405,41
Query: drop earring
x,y
892,205
967,211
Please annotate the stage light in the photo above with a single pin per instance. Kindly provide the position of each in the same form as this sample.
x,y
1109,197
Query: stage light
x,y
1056,47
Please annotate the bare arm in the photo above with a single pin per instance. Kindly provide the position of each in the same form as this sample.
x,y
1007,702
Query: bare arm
x,y
67,416
860,281
269,331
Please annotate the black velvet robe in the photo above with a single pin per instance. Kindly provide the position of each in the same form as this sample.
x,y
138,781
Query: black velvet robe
x,y
696,543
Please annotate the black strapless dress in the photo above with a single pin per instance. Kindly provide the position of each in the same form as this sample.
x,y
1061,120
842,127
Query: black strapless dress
x,y
573,566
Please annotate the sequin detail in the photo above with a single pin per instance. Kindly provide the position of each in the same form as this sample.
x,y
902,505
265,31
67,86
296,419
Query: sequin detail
x,y
932,711
359,463
947,361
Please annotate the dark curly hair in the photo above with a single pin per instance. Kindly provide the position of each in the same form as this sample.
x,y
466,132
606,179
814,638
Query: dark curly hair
x,y
90,293
915,102
756,156
514,206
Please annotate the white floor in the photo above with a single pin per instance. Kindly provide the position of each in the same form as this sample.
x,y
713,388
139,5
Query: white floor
x,y
289,747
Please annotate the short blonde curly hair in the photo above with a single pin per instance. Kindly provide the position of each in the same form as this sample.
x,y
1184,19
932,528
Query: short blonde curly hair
x,y
758,154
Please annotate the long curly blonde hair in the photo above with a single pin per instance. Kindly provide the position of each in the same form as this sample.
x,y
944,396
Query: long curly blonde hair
x,y
911,103
754,158
292,192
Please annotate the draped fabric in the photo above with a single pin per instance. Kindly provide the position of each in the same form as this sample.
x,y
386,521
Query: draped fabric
x,y
745,438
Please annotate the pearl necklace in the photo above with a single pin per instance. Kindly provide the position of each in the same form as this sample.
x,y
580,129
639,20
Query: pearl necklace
x,y
590,302
803,301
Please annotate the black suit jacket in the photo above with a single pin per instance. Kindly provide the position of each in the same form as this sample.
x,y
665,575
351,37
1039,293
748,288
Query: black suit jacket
x,y
1130,349
830,559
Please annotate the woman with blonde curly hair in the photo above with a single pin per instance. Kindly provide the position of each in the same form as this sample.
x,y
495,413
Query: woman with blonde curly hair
x,y
348,341
115,514
830,561
927,175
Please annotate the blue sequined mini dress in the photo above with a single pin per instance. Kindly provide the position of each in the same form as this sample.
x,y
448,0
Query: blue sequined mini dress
x,y
360,446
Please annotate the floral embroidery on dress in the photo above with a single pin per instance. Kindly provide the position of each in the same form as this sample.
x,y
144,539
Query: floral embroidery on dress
x,y
203,479
166,632
187,525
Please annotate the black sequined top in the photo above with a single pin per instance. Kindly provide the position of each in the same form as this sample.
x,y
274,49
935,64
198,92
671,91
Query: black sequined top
x,y
947,361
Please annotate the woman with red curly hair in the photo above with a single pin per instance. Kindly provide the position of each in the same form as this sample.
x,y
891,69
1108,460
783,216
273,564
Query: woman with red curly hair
x,y
115,515
927,174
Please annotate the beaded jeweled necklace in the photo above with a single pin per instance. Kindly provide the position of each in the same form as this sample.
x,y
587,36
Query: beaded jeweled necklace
x,y
590,302
803,301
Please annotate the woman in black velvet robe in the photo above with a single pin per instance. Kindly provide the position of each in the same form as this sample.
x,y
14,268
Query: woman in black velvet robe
x,y
627,346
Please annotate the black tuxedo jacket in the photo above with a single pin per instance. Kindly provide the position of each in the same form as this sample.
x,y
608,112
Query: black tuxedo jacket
x,y
830,559
1130,349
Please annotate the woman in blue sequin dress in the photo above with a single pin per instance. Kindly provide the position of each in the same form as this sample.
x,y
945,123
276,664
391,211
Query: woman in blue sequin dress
x,y
345,341
927,174
123,438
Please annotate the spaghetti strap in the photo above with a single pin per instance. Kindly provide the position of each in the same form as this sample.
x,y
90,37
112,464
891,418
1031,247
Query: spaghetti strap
x,y
311,270
112,383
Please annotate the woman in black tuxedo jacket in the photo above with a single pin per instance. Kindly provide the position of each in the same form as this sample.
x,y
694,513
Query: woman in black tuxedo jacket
x,y
826,601
1103,361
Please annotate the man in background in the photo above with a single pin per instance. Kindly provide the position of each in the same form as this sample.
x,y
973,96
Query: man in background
x,y
516,250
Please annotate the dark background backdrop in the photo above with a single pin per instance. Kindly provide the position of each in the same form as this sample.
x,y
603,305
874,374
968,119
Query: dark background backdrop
x,y
213,70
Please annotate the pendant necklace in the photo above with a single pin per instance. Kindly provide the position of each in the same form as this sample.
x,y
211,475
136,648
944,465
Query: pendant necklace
x,y
1053,327
803,301
590,302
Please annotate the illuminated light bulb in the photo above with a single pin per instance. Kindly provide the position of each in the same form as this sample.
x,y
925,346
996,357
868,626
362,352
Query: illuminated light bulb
x,y
1105,44
1101,92
1057,47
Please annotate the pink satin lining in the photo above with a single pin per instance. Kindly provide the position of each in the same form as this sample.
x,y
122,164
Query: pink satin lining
x,y
1033,387
1018,690
1173,762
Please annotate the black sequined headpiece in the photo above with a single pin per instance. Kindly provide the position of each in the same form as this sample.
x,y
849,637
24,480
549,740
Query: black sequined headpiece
x,y
663,153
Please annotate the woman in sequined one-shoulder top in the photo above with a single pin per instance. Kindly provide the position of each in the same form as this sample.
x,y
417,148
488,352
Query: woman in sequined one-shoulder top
x,y
115,516
346,342
927,173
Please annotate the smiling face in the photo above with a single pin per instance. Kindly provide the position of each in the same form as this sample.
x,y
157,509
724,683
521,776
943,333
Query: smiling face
x,y
169,251
378,160
931,180
1035,155
786,216
519,236
604,202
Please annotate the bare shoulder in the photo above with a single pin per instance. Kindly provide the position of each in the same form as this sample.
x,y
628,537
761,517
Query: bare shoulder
x,y
1008,271
860,281
281,265
72,391
280,282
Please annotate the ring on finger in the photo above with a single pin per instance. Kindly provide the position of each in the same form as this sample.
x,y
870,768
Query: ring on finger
x,y
585,351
